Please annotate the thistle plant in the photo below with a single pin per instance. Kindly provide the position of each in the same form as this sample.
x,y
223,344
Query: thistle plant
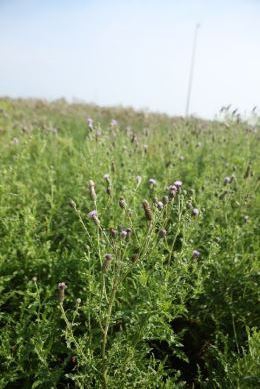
x,y
148,276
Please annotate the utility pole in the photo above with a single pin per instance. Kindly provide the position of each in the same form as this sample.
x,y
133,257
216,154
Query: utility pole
x,y
192,63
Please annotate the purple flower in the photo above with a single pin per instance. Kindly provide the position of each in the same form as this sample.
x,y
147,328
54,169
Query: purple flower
x,y
172,190
178,184
92,214
114,123
124,234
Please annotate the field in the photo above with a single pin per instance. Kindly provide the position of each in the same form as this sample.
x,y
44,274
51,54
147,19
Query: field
x,y
129,252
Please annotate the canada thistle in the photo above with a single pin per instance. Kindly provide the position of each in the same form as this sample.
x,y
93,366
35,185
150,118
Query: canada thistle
x,y
227,180
159,205
147,210
124,234
152,182
178,184
61,288
122,203
195,212
195,254
113,232
107,178
106,263
162,233
94,216
172,191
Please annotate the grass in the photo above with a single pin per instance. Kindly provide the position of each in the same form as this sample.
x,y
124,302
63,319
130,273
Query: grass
x,y
145,292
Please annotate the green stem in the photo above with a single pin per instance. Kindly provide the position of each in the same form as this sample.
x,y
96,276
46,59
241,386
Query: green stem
x,y
105,335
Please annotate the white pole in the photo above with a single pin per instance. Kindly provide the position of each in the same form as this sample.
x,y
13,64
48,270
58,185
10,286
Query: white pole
x,y
192,63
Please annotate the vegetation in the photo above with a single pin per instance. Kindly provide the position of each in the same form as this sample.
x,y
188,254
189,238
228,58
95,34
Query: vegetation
x,y
129,252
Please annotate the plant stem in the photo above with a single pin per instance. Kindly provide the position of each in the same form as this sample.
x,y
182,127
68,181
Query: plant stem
x,y
105,333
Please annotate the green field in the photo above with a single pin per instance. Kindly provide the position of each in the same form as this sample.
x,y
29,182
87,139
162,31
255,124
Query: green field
x,y
161,281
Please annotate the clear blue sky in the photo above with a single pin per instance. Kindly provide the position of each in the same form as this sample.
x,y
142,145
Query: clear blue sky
x,y
132,52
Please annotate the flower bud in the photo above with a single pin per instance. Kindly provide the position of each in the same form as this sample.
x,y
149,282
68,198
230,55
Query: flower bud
x,y
147,210
195,254
122,203
162,233
106,263
61,288
195,212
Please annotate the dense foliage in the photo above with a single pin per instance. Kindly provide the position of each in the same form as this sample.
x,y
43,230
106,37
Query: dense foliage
x,y
129,252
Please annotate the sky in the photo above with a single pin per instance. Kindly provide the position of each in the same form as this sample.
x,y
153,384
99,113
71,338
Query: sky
x,y
133,52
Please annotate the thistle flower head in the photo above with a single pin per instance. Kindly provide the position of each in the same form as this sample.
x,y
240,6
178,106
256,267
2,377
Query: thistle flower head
x,y
162,233
129,232
135,258
62,285
92,214
123,234
195,212
114,123
227,180
61,288
152,181
172,191
178,184
195,254
107,261
122,203
159,205
113,232
147,210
